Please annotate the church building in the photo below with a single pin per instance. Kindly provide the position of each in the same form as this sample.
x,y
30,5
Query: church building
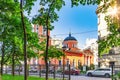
x,y
74,55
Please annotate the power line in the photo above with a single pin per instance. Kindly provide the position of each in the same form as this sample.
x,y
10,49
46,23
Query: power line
x,y
82,32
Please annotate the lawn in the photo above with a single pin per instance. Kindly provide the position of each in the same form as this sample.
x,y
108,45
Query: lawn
x,y
17,77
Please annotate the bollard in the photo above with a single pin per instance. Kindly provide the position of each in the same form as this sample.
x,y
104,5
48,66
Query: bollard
x,y
54,72
39,70
69,73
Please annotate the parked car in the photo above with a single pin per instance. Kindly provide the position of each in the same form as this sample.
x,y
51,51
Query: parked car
x,y
106,72
18,68
9,69
50,71
33,69
72,72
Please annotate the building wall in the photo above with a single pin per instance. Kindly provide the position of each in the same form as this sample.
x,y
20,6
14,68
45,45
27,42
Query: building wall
x,y
70,44
57,42
102,32
81,57
93,46
74,60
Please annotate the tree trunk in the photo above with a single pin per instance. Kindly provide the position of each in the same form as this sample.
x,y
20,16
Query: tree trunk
x,y
46,56
25,39
2,59
47,44
13,61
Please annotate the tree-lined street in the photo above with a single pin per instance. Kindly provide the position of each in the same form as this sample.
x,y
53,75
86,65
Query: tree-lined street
x,y
26,42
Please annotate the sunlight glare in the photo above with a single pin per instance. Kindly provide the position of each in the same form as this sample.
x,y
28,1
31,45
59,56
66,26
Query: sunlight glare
x,y
112,11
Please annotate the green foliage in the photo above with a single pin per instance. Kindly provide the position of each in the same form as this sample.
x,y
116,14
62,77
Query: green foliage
x,y
47,12
11,32
53,52
80,66
106,4
84,2
92,66
116,77
112,39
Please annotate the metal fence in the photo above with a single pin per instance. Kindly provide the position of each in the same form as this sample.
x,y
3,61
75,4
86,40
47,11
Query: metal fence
x,y
116,68
54,71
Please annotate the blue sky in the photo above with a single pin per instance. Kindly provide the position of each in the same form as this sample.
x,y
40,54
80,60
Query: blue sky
x,y
75,20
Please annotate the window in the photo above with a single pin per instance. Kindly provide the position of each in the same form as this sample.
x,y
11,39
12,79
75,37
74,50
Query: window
x,y
44,31
73,45
79,63
37,27
60,62
111,51
73,62
98,69
106,69
67,45
68,62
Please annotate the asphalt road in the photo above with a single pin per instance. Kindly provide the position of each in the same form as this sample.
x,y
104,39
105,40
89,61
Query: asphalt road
x,y
88,78
73,77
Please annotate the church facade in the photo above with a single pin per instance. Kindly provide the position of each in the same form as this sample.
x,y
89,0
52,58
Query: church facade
x,y
74,55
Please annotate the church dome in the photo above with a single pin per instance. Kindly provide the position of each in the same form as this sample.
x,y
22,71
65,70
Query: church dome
x,y
70,38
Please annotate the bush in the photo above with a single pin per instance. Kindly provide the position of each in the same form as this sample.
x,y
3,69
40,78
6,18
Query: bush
x,y
116,77
92,66
80,67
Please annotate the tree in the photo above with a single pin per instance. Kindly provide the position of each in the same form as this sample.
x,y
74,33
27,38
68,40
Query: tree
x,y
9,10
53,52
48,16
5,16
112,39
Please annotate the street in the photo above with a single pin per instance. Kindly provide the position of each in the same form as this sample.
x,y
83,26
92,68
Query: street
x,y
73,77
88,78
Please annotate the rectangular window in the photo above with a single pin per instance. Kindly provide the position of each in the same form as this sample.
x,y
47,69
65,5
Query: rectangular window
x,y
44,31
60,63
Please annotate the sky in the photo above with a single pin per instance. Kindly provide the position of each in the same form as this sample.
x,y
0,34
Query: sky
x,y
81,21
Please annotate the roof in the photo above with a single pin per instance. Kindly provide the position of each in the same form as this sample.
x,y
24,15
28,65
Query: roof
x,y
70,38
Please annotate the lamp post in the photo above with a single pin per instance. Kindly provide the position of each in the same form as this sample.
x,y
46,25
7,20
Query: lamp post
x,y
112,65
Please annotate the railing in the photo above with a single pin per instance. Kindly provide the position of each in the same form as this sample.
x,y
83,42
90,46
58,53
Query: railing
x,y
54,71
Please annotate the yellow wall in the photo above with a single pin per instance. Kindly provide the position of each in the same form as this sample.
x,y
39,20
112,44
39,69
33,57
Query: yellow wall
x,y
76,58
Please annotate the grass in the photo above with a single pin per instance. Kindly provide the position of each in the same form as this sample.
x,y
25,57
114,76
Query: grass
x,y
17,77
